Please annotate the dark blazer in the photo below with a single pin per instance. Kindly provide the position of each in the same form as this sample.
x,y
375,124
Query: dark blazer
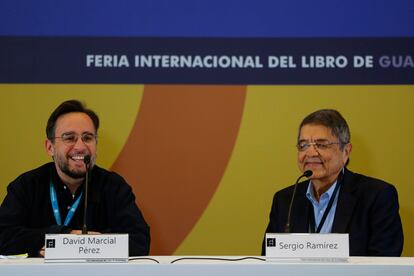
x,y
367,209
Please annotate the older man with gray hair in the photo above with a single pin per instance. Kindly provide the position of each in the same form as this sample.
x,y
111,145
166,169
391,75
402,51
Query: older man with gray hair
x,y
334,199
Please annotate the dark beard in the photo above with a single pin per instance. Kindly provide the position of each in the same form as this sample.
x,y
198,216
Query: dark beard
x,y
75,175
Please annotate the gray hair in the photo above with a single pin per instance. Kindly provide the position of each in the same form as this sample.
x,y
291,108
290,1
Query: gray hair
x,y
331,119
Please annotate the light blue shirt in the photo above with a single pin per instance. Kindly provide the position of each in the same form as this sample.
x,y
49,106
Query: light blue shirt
x,y
320,207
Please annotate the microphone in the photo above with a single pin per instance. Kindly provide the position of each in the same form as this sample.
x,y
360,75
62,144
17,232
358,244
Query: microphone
x,y
86,160
307,173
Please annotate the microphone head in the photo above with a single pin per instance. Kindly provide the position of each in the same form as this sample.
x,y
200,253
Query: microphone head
x,y
308,173
86,159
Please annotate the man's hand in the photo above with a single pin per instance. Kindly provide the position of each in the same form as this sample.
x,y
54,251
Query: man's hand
x,y
42,252
78,232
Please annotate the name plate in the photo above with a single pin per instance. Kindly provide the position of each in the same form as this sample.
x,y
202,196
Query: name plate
x,y
86,248
307,246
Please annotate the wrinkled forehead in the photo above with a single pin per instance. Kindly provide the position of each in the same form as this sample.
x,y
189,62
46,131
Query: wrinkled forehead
x,y
315,132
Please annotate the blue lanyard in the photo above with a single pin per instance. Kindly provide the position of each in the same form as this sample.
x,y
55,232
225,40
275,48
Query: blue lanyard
x,y
313,227
55,206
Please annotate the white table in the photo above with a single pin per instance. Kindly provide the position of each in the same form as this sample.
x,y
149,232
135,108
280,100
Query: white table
x,y
354,266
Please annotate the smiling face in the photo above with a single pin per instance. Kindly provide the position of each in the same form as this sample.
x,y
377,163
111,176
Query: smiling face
x,y
325,162
69,156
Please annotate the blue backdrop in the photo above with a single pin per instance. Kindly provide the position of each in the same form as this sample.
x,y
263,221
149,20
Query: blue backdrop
x,y
212,18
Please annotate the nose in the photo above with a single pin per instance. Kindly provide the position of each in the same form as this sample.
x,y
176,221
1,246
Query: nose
x,y
312,150
80,143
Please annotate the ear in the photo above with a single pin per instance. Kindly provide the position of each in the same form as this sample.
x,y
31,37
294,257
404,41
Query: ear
x,y
346,152
50,149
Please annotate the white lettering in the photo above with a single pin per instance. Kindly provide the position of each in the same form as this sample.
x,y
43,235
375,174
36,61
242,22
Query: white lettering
x,y
281,61
363,61
107,61
209,61
396,61
324,62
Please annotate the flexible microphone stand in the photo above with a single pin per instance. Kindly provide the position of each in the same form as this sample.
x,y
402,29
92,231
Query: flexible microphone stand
x,y
86,160
307,173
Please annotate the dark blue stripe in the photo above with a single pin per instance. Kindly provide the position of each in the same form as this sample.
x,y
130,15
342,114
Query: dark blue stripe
x,y
230,18
63,60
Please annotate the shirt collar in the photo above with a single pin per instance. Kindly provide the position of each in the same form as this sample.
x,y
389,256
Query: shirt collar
x,y
311,196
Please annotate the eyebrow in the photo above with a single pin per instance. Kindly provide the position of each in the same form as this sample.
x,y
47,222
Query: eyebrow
x,y
68,133
314,141
321,140
73,132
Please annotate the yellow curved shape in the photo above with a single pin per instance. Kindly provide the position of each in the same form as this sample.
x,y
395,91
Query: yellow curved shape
x,y
25,108
264,158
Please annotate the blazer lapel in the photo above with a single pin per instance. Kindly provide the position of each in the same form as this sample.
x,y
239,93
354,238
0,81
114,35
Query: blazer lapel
x,y
346,204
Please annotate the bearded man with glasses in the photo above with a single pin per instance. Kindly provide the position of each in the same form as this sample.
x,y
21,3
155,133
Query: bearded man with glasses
x,y
334,199
49,199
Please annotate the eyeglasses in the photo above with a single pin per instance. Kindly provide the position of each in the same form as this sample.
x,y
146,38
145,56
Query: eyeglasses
x,y
319,145
72,138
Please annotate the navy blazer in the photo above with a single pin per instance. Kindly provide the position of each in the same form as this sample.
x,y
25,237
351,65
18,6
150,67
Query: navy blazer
x,y
367,209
